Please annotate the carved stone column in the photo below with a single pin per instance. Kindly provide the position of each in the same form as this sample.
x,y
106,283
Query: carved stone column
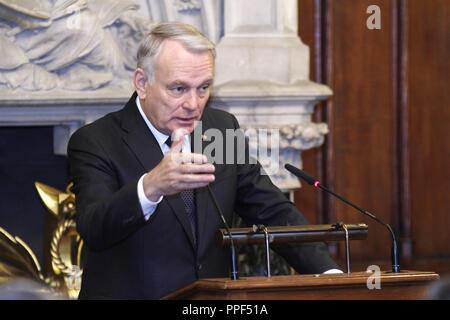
x,y
262,77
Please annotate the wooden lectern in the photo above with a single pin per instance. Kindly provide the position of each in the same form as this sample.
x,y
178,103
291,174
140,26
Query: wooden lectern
x,y
354,286
357,285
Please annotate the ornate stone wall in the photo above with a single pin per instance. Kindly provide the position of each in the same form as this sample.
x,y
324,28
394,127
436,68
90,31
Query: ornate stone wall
x,y
67,63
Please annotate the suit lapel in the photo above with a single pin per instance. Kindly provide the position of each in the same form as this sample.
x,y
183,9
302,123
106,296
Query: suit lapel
x,y
139,138
143,144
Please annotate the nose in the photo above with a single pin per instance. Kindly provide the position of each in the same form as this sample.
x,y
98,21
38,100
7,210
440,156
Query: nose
x,y
192,100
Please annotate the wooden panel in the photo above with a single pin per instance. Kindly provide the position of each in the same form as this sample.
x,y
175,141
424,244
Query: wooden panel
x,y
308,201
429,118
361,117
388,146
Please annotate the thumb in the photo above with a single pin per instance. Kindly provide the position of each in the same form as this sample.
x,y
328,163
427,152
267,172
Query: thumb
x,y
177,140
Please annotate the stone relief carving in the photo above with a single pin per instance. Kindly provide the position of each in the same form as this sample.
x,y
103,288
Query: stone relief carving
x,y
205,15
85,45
72,45
284,144
305,135
187,5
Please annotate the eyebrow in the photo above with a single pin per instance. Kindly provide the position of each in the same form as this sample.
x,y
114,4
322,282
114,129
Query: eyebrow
x,y
182,83
207,82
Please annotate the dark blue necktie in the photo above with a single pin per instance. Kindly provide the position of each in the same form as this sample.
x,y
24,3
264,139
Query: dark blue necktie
x,y
188,198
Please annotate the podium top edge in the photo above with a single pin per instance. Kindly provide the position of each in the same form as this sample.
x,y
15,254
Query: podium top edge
x,y
318,279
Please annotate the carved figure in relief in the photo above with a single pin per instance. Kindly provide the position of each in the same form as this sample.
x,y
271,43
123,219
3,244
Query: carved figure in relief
x,y
72,45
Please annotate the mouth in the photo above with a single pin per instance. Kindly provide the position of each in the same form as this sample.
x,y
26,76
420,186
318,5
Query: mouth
x,y
187,120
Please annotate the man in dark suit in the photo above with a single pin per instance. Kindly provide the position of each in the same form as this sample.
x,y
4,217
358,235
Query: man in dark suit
x,y
142,207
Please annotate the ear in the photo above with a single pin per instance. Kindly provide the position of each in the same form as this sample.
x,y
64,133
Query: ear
x,y
140,82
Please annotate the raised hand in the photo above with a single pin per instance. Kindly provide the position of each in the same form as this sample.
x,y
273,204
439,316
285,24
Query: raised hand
x,y
178,171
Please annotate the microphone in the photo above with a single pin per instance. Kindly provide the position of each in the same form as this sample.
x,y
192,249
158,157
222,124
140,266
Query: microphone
x,y
234,273
312,181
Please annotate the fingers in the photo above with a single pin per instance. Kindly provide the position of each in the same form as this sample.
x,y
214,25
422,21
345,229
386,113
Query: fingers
x,y
187,157
167,179
183,157
178,170
192,168
177,140
179,134
188,176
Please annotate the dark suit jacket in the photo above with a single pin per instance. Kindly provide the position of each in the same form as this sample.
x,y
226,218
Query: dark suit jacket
x,y
131,258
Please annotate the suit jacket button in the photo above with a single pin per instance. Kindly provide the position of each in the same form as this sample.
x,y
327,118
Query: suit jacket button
x,y
199,267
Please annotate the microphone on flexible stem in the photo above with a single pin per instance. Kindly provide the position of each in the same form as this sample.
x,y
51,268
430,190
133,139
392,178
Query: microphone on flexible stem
x,y
312,181
234,273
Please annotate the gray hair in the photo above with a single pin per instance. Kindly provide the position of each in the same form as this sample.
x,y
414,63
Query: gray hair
x,y
150,47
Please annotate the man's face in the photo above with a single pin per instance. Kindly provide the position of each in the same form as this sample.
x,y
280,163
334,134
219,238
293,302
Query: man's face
x,y
181,87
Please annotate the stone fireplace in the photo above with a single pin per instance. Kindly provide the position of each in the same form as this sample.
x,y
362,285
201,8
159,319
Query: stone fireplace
x,y
262,77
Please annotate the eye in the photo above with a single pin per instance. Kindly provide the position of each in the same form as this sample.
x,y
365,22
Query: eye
x,y
204,88
177,89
